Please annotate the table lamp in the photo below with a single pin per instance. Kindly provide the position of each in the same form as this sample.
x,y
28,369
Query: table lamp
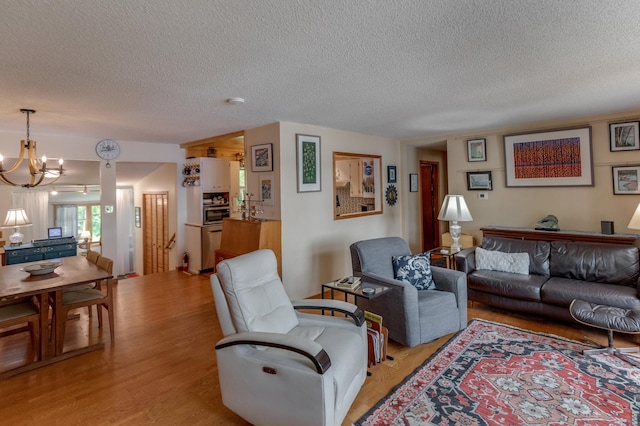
x,y
634,223
15,219
454,209
85,235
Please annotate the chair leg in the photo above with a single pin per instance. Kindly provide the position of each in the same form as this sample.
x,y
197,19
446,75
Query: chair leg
x,y
112,330
34,332
611,349
61,328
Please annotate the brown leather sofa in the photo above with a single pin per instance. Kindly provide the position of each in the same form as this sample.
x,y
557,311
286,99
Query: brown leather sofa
x,y
559,272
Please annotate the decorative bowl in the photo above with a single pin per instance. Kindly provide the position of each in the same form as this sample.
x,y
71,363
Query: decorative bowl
x,y
41,268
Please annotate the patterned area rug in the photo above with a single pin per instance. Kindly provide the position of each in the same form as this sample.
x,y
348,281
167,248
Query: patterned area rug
x,y
494,374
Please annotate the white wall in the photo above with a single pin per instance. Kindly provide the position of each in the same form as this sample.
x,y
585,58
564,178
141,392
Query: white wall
x,y
315,247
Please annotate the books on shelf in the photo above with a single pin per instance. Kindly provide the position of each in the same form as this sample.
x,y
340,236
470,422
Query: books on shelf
x,y
349,282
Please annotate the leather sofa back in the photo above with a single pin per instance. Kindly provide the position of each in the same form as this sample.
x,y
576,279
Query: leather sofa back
x,y
538,251
604,263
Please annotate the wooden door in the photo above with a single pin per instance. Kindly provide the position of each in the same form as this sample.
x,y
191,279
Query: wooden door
x,y
155,231
429,184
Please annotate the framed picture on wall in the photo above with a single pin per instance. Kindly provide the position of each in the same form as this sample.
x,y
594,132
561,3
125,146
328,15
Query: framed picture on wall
x,y
624,136
391,174
262,158
266,190
566,153
479,181
413,182
625,180
477,150
308,163
137,215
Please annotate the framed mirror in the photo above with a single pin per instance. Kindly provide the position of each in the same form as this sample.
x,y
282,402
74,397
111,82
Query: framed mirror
x,y
357,185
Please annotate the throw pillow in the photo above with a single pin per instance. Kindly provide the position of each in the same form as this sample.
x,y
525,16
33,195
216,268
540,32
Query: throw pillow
x,y
414,270
517,263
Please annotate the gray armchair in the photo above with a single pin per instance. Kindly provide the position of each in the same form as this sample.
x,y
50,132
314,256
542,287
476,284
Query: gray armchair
x,y
281,367
412,317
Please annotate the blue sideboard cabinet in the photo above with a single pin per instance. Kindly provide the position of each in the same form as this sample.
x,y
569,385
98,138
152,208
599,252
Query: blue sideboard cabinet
x,y
40,250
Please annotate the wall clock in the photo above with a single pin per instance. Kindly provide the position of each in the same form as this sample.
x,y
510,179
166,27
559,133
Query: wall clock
x,y
108,149
391,195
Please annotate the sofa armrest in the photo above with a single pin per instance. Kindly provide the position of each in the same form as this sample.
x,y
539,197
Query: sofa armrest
x,y
466,260
306,347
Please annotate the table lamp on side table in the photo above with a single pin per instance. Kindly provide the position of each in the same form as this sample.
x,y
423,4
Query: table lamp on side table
x,y
634,223
15,219
454,209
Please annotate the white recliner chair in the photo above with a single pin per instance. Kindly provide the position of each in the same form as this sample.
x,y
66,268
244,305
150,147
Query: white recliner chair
x,y
281,367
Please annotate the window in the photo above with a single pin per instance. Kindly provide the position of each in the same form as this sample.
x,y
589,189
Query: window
x,y
76,218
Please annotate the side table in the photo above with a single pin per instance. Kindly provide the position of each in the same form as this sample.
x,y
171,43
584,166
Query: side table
x,y
356,292
444,252
379,290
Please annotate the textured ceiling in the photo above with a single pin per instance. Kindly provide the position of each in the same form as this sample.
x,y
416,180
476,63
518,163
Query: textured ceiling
x,y
160,70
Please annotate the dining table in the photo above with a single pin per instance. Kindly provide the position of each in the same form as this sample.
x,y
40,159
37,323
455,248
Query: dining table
x,y
16,283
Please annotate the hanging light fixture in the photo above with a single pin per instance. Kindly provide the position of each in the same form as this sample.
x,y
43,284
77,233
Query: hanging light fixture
x,y
37,167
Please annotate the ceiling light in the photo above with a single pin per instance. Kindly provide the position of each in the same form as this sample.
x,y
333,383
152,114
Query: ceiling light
x,y
235,101
37,168
54,191
84,191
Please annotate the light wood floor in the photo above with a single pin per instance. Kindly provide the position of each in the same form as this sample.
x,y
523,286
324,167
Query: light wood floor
x,y
162,370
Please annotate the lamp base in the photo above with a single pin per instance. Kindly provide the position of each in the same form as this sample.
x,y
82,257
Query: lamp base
x,y
455,230
16,238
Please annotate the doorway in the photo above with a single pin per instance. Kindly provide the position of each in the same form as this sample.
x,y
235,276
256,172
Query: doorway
x,y
429,184
155,231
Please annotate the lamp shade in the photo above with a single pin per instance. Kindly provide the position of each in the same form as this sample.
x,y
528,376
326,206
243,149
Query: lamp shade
x,y
634,223
454,208
16,218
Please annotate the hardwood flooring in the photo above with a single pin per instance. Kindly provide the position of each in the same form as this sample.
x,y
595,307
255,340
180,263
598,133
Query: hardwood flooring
x,y
162,370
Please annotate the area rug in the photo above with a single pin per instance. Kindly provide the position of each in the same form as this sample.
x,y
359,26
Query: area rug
x,y
495,374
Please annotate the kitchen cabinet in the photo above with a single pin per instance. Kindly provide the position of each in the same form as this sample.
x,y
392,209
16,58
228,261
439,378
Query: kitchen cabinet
x,y
244,236
215,175
205,176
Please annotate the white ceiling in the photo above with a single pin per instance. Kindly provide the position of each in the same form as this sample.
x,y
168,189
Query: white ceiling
x,y
160,70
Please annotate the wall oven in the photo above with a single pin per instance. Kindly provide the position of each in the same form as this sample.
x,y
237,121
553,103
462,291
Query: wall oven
x,y
214,214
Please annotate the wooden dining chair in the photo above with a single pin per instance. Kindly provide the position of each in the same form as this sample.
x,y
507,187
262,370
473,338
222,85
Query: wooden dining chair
x,y
93,256
99,296
23,311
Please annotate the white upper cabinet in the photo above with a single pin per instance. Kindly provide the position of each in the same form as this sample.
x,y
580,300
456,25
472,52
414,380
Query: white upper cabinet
x,y
215,175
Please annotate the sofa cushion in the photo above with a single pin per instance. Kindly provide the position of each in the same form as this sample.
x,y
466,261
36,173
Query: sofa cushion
x,y
414,269
517,263
538,251
525,287
562,291
602,263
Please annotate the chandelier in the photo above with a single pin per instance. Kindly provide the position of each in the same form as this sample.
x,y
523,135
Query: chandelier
x,y
37,167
